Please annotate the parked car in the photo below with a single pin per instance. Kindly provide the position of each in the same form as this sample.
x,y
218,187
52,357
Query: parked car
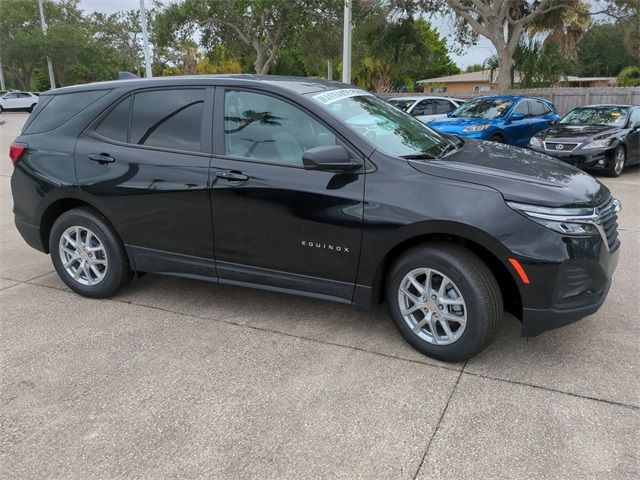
x,y
18,101
147,175
605,137
426,108
504,119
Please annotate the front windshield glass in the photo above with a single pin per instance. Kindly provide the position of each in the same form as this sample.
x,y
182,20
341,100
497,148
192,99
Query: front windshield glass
x,y
403,105
483,108
392,131
613,116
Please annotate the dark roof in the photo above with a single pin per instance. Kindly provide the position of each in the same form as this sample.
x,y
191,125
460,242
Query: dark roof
x,y
300,85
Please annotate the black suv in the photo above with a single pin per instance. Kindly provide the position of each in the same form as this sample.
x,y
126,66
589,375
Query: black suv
x,y
315,188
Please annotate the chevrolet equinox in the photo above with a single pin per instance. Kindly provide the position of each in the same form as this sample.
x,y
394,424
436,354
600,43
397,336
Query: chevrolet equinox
x,y
315,188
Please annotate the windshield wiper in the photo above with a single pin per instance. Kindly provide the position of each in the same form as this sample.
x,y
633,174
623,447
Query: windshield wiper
x,y
419,156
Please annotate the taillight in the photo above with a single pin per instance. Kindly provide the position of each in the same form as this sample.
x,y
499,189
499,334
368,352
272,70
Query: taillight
x,y
15,151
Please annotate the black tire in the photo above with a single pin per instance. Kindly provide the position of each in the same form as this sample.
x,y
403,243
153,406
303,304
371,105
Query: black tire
x,y
32,107
497,138
118,273
481,293
1,109
614,168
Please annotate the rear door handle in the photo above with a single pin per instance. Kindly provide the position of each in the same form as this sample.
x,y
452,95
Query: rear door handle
x,y
232,176
101,158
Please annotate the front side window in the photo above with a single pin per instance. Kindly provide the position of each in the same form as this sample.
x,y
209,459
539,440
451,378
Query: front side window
x,y
425,107
403,105
387,128
265,129
484,108
614,116
168,119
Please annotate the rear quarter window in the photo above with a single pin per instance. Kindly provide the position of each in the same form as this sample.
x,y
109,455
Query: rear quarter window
x,y
56,110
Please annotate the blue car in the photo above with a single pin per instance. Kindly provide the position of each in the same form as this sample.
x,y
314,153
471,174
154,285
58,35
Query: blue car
x,y
505,119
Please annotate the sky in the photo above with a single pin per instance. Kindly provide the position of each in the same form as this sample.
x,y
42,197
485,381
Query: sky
x,y
471,55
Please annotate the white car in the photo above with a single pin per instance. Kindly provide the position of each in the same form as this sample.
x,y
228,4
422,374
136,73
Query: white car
x,y
426,108
18,101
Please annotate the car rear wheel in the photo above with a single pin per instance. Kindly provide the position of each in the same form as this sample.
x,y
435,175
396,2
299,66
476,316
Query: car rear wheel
x,y
617,162
87,254
32,107
444,301
497,138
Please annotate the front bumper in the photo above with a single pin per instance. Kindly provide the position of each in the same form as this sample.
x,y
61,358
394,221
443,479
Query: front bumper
x,y
569,291
587,159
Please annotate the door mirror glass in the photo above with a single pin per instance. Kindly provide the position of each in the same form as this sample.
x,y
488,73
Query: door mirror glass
x,y
328,157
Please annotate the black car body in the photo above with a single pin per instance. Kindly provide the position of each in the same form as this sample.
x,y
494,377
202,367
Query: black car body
x,y
573,141
537,234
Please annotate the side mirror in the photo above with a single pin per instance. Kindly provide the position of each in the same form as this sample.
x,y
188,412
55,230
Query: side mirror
x,y
635,126
450,112
328,157
517,116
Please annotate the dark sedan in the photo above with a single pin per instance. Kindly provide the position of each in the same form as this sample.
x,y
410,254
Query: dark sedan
x,y
605,137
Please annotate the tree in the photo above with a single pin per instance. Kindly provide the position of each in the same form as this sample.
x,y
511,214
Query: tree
x,y
261,25
602,51
536,64
476,67
503,22
629,77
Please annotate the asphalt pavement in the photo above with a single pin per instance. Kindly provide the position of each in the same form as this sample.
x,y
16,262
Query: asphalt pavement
x,y
176,378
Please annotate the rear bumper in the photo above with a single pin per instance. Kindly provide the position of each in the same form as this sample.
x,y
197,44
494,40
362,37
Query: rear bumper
x,y
31,235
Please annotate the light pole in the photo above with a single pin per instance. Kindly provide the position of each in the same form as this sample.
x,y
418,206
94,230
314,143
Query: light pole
x,y
145,40
1,77
43,24
346,43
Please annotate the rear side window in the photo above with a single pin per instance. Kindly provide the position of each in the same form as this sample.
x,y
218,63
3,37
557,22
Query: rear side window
x,y
522,108
60,109
115,125
168,119
537,108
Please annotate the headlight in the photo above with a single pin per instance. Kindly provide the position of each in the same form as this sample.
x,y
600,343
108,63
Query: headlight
x,y
476,128
535,142
599,143
568,221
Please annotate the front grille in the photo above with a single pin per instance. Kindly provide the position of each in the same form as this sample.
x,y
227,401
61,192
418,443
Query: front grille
x,y
608,217
560,147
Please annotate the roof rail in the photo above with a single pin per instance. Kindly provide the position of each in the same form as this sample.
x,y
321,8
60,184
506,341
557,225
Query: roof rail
x,y
126,76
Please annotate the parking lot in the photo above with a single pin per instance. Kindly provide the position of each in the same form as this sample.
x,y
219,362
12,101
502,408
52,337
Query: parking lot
x,y
175,378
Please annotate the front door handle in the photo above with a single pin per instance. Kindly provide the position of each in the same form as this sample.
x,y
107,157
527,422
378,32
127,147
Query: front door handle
x,y
232,176
101,158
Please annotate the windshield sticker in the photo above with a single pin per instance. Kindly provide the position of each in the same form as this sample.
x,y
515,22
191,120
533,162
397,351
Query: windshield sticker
x,y
334,95
615,114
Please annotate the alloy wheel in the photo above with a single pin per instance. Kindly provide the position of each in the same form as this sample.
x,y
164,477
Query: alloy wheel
x,y
432,306
83,255
619,161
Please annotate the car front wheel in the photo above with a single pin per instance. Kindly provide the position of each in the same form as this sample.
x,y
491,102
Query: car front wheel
x,y
87,254
617,162
444,301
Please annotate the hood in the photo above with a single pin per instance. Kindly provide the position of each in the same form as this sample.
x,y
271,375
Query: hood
x,y
456,124
577,132
520,175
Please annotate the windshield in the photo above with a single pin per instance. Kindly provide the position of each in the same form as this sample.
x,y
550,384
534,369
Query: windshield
x,y
614,116
403,105
483,108
392,131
